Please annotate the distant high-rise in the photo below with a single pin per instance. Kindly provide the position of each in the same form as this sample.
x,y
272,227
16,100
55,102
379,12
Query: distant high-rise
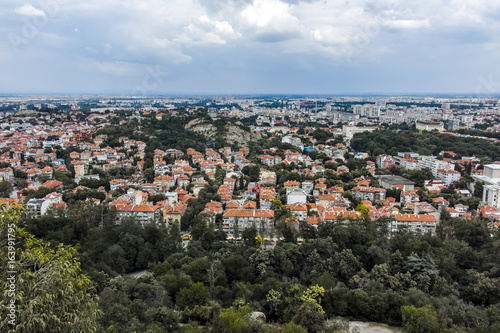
x,y
366,110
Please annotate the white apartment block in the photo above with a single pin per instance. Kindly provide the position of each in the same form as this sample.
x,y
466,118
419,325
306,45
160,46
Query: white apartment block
x,y
413,222
448,176
491,189
366,110
434,164
349,131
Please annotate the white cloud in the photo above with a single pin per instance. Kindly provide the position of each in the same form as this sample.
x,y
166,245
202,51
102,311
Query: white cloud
x,y
271,20
112,67
409,24
207,32
29,10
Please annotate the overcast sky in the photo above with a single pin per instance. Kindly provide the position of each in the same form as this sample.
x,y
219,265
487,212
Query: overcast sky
x,y
133,47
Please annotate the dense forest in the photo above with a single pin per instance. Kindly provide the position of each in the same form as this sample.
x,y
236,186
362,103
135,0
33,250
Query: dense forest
x,y
443,283
391,142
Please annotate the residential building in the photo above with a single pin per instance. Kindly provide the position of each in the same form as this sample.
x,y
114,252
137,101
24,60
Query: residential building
x,y
392,181
296,195
373,194
241,219
143,214
36,208
491,188
349,131
413,222
448,176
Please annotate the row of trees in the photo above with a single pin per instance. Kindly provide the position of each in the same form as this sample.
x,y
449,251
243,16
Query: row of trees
x,y
351,270
426,143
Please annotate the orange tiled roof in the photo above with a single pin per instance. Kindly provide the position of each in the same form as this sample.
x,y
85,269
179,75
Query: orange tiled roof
x,y
249,213
415,218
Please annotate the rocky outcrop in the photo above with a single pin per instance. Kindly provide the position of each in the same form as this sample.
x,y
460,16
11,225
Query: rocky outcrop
x,y
229,132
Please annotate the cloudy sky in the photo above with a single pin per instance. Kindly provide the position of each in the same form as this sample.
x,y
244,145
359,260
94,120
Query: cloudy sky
x,y
133,47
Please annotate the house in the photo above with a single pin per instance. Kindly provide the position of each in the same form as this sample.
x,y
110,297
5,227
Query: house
x,y
409,197
299,210
453,212
47,171
173,213
326,200
198,185
291,185
183,181
74,155
54,197
150,188
52,141
308,186
164,183
15,162
434,185
336,191
7,174
441,202
267,196
53,184
267,177
115,184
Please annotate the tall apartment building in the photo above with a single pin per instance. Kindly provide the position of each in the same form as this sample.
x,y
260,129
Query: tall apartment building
x,y
491,180
434,164
413,222
366,110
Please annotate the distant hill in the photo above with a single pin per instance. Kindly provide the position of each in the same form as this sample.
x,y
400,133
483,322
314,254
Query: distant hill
x,y
223,130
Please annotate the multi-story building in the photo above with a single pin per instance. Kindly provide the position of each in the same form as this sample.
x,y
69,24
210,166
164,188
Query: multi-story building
x,y
241,219
491,188
366,110
296,195
373,194
429,125
392,181
413,222
143,214
36,208
172,213
298,210
434,164
349,131
448,176
385,161
7,174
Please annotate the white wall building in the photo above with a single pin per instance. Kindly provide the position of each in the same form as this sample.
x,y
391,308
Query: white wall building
x,y
434,164
366,110
295,196
491,189
448,176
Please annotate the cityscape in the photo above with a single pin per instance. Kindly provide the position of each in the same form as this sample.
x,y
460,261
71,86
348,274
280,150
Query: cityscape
x,y
255,173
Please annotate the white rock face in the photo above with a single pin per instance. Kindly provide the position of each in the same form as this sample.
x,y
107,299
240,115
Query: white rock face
x,y
230,133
